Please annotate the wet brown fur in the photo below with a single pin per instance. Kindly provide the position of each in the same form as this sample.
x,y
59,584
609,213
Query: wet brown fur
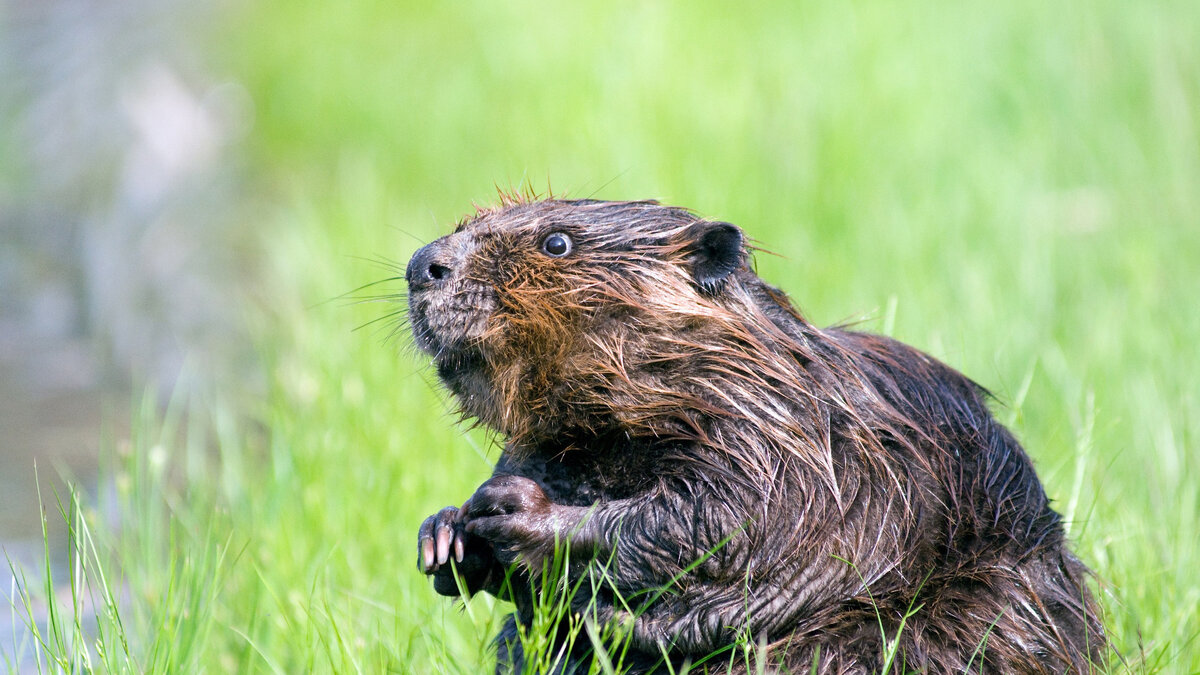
x,y
845,480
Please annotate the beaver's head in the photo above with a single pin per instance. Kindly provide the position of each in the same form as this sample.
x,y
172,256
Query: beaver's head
x,y
558,314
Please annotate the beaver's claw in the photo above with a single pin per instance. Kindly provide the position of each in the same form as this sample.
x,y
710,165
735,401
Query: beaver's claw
x,y
442,534
436,536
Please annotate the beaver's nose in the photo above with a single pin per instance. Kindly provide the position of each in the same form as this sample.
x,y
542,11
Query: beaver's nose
x,y
428,267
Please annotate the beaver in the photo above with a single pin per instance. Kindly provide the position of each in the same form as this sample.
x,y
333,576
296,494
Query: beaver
x,y
733,475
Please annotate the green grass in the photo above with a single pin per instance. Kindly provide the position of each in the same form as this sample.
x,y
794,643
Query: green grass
x,y
1013,187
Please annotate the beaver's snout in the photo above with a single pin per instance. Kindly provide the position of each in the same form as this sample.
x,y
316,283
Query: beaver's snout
x,y
429,266
448,310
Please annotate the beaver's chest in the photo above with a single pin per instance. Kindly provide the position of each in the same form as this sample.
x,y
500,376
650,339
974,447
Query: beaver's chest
x,y
582,477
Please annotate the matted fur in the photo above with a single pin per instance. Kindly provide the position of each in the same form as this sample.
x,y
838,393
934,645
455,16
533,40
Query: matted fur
x,y
844,480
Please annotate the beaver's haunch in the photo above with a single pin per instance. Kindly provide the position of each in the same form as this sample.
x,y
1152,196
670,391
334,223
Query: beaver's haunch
x,y
672,417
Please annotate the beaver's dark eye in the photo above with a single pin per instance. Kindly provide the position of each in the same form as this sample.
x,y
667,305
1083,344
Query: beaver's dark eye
x,y
556,244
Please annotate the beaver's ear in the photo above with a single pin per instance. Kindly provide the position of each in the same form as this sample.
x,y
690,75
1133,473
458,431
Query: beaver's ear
x,y
716,253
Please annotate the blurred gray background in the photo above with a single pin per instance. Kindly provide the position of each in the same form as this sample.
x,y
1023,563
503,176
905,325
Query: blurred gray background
x,y
121,255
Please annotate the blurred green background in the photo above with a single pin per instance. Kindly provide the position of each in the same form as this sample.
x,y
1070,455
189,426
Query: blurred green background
x,y
1013,187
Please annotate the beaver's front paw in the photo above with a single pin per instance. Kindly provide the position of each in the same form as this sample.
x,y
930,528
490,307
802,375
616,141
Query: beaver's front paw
x,y
443,534
515,515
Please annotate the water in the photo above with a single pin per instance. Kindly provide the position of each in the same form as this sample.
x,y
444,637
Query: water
x,y
53,407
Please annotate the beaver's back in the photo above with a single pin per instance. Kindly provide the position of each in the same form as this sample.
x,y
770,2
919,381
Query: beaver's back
x,y
995,492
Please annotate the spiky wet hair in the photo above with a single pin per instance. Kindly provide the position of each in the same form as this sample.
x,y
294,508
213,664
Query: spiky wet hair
x,y
654,326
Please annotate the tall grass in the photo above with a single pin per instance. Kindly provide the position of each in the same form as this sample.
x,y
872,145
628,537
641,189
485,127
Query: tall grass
x,y
1013,187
